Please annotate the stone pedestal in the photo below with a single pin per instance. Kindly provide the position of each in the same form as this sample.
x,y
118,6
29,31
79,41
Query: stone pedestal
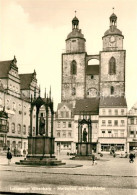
x,y
84,149
40,152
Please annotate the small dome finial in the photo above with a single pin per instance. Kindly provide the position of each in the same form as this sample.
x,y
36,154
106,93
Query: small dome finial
x,y
113,9
75,13
75,22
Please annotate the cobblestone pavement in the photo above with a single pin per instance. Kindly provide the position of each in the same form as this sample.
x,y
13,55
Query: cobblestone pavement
x,y
109,176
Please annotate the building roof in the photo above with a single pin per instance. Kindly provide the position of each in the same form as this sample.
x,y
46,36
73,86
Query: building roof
x,y
113,102
4,68
90,105
25,80
92,69
69,105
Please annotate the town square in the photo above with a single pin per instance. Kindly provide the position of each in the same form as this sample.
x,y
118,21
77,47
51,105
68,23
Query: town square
x,y
68,97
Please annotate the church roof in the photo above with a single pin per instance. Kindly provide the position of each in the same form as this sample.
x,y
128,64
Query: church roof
x,y
25,80
76,33
92,69
90,105
4,68
113,102
113,31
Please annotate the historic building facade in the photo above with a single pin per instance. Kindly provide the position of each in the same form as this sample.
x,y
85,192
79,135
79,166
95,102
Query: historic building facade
x,y
132,128
16,91
97,91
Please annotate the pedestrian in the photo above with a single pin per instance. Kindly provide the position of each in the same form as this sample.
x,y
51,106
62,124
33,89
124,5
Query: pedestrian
x,y
131,157
93,159
9,156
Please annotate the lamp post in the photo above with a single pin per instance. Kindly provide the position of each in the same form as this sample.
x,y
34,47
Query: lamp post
x,y
4,126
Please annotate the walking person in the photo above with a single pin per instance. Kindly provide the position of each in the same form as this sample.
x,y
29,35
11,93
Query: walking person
x,y
9,156
93,159
131,157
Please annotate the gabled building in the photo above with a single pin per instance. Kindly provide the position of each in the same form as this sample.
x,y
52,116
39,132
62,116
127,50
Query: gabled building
x,y
15,93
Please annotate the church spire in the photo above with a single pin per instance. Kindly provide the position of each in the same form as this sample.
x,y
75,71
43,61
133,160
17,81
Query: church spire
x,y
75,22
113,19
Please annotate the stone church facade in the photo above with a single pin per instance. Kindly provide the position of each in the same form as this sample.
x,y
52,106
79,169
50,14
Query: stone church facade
x,y
96,91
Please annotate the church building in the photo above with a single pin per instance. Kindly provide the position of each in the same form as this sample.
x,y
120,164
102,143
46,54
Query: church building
x,y
96,91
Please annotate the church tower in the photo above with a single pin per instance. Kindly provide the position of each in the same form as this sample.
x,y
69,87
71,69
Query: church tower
x,y
73,65
112,61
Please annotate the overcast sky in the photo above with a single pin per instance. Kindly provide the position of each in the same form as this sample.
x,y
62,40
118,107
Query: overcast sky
x,y
35,32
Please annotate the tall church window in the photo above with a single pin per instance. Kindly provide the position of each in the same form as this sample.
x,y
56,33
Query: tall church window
x,y
112,90
112,66
73,67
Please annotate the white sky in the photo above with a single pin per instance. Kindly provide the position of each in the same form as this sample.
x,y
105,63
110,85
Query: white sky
x,y
35,32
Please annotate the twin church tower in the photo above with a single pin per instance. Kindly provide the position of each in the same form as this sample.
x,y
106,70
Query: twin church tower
x,y
80,79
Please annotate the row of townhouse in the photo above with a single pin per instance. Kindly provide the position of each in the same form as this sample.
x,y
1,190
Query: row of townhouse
x,y
118,129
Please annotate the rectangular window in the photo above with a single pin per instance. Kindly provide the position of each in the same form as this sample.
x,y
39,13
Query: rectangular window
x,y
103,133
58,125
64,124
122,111
103,111
116,112
131,133
109,123
103,123
109,133
132,121
115,133
62,114
115,122
122,123
122,133
110,112
69,125
67,114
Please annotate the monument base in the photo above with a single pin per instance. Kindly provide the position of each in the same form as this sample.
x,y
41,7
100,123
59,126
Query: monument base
x,y
40,152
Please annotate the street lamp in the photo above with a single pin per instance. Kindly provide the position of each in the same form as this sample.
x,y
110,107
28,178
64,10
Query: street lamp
x,y
4,126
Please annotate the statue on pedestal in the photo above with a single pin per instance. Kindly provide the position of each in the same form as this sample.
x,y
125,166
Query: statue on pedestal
x,y
85,135
42,125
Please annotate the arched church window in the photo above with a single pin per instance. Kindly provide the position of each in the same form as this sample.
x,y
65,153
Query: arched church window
x,y
73,67
112,66
112,90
